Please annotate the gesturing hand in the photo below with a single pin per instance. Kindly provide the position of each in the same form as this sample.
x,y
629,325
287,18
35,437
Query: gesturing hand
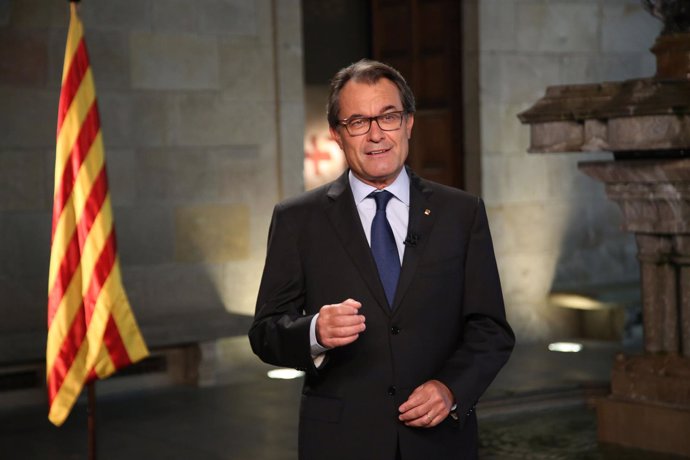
x,y
428,405
339,324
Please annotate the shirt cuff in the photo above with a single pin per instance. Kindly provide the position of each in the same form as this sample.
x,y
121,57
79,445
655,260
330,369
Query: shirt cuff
x,y
317,350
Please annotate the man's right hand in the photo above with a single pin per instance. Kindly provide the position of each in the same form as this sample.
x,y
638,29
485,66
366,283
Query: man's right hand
x,y
339,324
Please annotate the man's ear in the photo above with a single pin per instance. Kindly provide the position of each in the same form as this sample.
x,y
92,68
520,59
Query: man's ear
x,y
335,135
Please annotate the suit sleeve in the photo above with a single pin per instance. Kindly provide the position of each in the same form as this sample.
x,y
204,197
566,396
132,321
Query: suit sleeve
x,y
279,334
487,338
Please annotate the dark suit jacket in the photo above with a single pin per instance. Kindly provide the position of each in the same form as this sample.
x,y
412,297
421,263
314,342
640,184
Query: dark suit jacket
x,y
447,321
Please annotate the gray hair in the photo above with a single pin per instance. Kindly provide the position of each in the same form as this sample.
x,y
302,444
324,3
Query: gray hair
x,y
366,71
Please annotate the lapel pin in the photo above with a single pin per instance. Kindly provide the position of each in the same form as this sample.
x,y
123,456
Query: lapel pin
x,y
427,212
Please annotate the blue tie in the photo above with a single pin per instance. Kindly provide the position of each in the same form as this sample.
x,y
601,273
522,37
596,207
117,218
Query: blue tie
x,y
383,246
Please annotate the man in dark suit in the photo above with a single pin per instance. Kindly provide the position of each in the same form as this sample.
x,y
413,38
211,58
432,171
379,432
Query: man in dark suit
x,y
396,354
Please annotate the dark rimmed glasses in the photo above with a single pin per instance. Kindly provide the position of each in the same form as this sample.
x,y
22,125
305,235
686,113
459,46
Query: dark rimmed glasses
x,y
359,126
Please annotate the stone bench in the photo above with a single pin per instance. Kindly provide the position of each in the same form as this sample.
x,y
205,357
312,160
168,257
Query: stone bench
x,y
174,343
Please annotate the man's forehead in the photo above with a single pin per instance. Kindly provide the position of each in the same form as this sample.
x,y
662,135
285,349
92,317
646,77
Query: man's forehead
x,y
359,95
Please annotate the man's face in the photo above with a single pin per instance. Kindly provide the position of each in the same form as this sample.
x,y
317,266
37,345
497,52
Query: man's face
x,y
376,157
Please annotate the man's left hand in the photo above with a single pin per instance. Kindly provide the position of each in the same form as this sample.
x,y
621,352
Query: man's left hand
x,y
428,405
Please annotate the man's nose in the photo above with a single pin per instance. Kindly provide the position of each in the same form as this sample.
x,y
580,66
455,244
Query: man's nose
x,y
375,132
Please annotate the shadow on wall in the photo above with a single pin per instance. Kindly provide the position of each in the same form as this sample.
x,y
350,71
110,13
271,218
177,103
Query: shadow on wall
x,y
597,273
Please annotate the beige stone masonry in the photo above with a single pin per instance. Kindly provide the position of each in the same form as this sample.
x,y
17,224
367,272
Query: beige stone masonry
x,y
212,233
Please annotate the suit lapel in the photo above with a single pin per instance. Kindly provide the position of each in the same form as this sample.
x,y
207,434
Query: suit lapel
x,y
418,231
342,212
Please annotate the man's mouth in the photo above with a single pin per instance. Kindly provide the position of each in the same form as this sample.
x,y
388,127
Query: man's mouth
x,y
377,152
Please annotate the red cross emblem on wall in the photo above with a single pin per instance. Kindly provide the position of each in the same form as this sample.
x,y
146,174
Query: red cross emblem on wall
x,y
316,155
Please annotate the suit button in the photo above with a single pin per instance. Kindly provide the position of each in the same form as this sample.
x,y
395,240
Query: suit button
x,y
391,390
395,330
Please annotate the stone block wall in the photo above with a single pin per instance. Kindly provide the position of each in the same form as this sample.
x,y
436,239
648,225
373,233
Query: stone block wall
x,y
203,117
553,227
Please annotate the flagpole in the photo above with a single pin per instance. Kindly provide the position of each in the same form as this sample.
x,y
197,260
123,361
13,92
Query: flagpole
x,y
91,413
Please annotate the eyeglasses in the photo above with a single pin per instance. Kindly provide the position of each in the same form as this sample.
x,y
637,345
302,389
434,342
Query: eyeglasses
x,y
361,125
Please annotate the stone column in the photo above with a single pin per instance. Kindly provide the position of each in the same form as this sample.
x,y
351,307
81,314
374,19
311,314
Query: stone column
x,y
658,279
681,246
654,197
649,405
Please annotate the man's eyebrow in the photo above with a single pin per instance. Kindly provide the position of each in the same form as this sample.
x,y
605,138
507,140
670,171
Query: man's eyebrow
x,y
382,111
387,108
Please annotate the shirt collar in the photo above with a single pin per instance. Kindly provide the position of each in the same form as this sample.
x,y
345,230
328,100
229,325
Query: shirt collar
x,y
400,188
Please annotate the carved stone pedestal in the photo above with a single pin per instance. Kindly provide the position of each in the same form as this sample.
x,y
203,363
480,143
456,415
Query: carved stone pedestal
x,y
649,405
646,124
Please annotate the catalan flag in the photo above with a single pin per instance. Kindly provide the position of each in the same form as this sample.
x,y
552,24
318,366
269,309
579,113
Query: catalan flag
x,y
91,329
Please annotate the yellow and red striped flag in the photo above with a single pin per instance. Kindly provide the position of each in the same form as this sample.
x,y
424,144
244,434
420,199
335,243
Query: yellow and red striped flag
x,y
91,329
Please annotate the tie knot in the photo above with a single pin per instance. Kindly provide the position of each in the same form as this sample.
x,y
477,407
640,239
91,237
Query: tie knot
x,y
382,198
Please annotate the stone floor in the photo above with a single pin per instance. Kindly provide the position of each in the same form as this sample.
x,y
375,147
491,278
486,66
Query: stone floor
x,y
538,408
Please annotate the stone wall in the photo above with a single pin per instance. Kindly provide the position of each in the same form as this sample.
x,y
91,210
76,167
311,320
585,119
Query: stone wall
x,y
202,114
553,227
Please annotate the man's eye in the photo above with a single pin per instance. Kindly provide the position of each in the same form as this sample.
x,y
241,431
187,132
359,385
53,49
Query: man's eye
x,y
358,123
